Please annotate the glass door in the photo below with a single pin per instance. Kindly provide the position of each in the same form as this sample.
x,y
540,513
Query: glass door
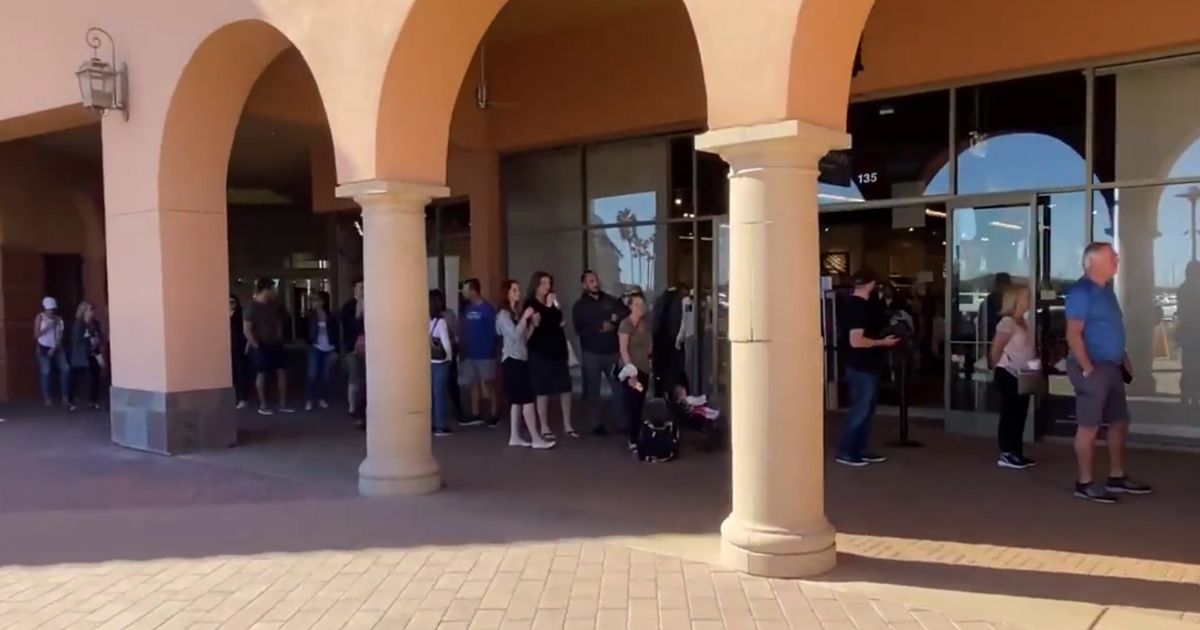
x,y
992,245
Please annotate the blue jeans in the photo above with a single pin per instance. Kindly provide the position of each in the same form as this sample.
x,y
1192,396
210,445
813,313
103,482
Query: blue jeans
x,y
439,377
50,361
318,374
856,426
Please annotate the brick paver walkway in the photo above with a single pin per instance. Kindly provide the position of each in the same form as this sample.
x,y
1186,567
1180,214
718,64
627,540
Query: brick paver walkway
x,y
272,535
570,585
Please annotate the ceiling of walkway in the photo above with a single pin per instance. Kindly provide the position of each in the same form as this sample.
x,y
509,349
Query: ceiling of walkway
x,y
522,18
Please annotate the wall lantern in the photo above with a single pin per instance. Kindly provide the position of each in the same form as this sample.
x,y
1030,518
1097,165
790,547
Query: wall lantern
x,y
103,86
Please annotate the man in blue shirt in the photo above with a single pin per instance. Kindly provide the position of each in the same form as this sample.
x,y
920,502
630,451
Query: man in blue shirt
x,y
477,344
1099,369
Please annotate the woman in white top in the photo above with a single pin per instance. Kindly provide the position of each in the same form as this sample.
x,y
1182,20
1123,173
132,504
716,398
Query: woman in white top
x,y
439,362
1012,351
48,330
514,331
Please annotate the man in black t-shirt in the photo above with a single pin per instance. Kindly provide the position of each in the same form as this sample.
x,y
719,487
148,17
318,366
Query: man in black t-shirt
x,y
864,358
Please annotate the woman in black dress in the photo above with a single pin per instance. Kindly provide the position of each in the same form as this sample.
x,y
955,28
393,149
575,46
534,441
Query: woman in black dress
x,y
548,353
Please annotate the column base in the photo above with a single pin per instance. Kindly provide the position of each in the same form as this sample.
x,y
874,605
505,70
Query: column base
x,y
387,479
170,423
778,554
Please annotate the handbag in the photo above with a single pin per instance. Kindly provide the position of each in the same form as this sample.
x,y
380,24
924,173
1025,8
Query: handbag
x,y
436,351
1031,383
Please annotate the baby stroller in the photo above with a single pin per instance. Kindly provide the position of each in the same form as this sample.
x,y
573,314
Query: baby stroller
x,y
693,415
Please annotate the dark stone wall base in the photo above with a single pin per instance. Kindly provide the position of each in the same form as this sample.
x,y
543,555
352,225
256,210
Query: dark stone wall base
x,y
171,423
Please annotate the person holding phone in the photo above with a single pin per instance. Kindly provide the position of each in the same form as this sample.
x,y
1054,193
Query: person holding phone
x,y
1099,369
864,358
548,353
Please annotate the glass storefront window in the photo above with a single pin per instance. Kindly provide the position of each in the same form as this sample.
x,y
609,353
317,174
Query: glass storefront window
x,y
543,190
1146,125
899,145
628,181
628,257
1159,288
1024,134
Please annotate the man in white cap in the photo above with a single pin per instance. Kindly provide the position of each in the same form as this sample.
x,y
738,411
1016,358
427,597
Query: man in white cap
x,y
48,332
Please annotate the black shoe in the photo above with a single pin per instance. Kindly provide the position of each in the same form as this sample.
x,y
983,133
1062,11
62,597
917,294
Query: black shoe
x,y
600,430
1125,485
1009,460
473,421
1029,462
442,432
493,422
847,460
1094,493
873,458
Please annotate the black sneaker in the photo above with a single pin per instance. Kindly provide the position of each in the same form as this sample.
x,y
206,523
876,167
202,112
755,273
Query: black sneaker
x,y
1029,462
442,432
847,460
1125,485
493,422
1094,493
1009,460
873,458
473,421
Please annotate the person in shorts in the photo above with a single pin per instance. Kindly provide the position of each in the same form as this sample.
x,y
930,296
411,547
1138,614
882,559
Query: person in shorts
x,y
264,340
1099,368
477,346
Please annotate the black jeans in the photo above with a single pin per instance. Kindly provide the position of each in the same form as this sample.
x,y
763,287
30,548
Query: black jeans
x,y
635,401
242,375
94,377
1014,407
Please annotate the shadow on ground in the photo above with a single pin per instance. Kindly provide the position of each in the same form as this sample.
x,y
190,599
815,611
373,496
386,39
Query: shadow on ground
x,y
68,495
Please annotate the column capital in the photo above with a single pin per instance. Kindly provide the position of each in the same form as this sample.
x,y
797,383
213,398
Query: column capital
x,y
391,195
787,143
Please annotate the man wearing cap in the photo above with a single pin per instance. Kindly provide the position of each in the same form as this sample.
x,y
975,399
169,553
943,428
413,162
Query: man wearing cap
x,y
864,359
48,333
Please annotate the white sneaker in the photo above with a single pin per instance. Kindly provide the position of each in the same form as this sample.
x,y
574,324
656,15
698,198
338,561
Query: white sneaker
x,y
322,404
519,442
543,445
308,406
241,405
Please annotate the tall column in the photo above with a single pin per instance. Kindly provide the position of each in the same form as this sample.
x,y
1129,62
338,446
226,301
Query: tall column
x,y
777,527
399,444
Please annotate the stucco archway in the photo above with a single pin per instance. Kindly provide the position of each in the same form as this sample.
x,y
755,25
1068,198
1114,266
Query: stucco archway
x,y
169,264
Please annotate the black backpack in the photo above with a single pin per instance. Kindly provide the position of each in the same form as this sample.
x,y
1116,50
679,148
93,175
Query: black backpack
x,y
658,441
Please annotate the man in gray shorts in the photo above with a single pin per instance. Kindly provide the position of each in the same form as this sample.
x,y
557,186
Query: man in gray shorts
x,y
1099,368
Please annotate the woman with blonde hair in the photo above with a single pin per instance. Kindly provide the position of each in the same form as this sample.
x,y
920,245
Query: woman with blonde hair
x,y
1012,352
87,353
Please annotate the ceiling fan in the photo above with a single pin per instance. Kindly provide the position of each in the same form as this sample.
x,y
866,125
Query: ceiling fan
x,y
482,101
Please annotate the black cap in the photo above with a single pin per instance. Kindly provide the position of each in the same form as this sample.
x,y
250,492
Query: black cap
x,y
863,277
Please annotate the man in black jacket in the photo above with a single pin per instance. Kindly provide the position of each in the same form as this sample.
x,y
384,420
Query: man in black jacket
x,y
596,317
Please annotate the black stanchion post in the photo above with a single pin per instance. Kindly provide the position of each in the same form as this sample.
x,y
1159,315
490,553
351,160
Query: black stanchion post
x,y
902,386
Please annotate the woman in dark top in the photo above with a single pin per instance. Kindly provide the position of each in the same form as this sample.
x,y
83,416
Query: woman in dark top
x,y
548,352
87,353
237,356
323,346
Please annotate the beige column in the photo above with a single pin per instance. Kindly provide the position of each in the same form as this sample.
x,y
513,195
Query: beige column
x,y
777,526
399,444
